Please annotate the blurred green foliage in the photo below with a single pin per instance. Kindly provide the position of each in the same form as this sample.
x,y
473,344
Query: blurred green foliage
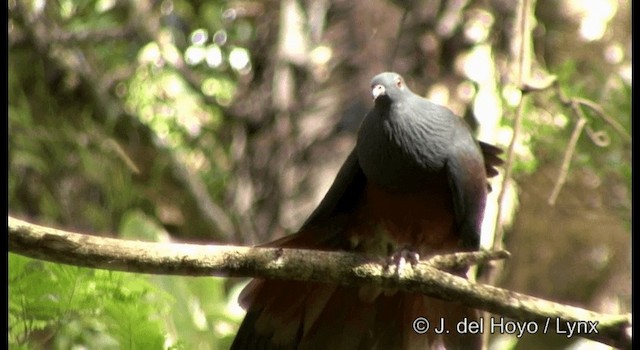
x,y
56,306
61,307
94,126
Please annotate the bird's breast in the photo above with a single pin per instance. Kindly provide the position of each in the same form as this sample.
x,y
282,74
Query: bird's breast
x,y
389,220
400,153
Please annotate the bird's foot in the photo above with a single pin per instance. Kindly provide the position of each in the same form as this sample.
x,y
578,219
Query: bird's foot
x,y
400,258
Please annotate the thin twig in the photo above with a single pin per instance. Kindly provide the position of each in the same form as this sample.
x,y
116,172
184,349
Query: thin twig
x,y
599,138
91,37
604,116
493,270
576,102
523,52
457,261
523,75
566,160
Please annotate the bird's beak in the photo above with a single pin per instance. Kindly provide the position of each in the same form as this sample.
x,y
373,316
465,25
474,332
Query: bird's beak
x,y
377,91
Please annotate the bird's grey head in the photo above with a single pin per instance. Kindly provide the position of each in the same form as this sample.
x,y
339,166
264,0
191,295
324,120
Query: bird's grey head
x,y
386,87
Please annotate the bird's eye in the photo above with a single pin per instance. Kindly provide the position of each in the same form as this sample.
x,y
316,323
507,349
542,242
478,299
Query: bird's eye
x,y
399,83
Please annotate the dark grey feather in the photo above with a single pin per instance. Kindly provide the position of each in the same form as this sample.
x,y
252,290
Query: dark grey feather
x,y
405,140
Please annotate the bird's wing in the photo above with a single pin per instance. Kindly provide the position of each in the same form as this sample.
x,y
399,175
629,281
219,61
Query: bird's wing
x,y
327,220
492,160
343,194
467,179
266,301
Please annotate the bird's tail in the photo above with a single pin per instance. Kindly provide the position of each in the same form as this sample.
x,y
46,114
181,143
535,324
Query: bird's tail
x,y
296,315
491,155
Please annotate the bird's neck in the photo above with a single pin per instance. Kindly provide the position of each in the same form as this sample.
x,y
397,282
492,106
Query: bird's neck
x,y
397,148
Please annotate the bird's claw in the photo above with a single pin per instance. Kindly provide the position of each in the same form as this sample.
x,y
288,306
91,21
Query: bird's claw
x,y
400,258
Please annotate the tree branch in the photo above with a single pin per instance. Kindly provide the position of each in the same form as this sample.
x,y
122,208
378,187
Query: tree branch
x,y
307,265
566,160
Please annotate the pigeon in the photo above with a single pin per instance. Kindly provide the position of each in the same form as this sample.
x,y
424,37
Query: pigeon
x,y
414,185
